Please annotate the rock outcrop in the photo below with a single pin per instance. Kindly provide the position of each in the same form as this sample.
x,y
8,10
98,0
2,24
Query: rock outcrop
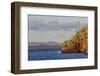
x,y
78,43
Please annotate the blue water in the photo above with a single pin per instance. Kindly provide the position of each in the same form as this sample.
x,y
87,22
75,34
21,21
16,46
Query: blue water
x,y
51,54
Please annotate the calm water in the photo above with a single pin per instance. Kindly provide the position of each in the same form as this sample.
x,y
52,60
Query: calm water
x,y
51,54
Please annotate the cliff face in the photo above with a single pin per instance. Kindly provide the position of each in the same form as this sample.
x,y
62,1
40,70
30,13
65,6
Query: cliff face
x,y
78,43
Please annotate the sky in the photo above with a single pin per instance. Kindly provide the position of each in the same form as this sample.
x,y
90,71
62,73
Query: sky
x,y
42,28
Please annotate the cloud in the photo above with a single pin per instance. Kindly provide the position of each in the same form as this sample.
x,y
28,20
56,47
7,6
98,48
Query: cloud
x,y
55,23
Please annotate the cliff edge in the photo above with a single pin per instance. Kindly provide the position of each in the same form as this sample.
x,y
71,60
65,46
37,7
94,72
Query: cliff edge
x,y
78,43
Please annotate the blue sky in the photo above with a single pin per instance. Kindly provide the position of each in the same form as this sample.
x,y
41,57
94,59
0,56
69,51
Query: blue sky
x,y
53,28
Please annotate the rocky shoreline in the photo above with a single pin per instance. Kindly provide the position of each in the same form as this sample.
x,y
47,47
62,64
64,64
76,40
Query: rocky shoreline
x,y
78,43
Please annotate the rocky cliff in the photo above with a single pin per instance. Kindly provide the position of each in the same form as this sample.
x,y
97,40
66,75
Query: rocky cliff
x,y
78,43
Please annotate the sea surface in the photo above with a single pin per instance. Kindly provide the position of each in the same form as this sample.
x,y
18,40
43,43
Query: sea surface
x,y
52,54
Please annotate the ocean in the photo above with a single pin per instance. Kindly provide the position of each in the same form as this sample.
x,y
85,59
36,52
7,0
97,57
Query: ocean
x,y
52,54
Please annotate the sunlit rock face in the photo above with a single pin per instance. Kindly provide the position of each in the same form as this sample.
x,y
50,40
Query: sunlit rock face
x,y
78,43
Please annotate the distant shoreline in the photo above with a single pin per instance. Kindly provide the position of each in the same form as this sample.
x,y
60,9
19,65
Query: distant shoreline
x,y
45,46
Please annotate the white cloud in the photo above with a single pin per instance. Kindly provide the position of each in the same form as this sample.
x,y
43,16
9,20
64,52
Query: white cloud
x,y
52,23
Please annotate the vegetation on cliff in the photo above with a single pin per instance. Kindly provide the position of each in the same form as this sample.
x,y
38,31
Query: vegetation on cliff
x,y
78,43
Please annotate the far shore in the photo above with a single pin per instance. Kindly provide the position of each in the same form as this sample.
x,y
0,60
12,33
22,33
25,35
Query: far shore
x,y
45,46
